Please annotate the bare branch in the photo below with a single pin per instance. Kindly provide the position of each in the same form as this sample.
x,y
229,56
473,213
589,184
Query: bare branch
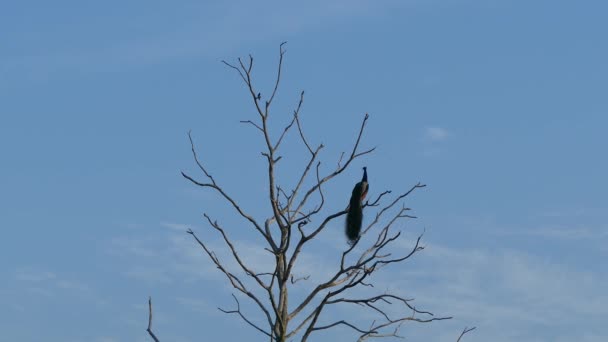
x,y
149,330
233,279
276,84
338,323
300,125
245,74
464,332
238,311
351,276
340,159
372,334
294,193
392,204
307,216
295,280
239,261
394,333
253,124
354,154
195,155
219,189
377,200
235,68
296,113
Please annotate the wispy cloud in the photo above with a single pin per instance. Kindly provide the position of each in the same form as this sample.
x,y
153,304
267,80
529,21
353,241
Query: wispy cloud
x,y
436,134
149,274
106,339
489,287
176,226
479,286
159,257
205,34
36,276
178,259
556,232
569,233
49,284
432,140
141,247
198,305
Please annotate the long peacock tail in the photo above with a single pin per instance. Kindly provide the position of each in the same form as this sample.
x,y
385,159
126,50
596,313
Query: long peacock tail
x,y
354,216
354,219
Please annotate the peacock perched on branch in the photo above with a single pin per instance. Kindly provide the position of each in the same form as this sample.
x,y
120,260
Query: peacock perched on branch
x,y
354,212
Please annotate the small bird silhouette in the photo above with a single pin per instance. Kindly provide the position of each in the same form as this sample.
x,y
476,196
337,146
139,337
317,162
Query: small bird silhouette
x,y
259,96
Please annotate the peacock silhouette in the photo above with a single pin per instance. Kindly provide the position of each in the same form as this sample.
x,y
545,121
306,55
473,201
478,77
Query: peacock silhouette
x,y
354,214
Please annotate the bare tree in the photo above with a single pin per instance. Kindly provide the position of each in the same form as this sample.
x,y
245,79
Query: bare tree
x,y
288,230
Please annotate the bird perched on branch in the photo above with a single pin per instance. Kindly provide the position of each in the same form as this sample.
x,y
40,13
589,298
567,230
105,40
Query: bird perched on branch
x,y
354,212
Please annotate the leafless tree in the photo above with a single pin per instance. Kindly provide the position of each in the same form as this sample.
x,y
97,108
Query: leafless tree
x,y
287,231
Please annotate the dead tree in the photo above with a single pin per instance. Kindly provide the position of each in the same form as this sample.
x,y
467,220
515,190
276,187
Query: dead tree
x,y
288,230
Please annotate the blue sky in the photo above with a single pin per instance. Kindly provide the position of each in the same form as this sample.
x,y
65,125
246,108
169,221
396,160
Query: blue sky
x,y
499,106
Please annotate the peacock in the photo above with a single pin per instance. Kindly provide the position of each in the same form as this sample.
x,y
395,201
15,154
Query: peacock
x,y
354,212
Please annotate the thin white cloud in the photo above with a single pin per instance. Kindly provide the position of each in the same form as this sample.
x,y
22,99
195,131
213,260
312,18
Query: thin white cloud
x,y
149,274
198,305
41,291
106,339
569,233
432,140
50,284
559,232
72,285
176,226
179,259
36,276
489,287
436,134
205,35
140,247
479,287
19,307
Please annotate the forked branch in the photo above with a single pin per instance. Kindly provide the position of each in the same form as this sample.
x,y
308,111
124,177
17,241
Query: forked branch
x,y
464,332
243,317
149,330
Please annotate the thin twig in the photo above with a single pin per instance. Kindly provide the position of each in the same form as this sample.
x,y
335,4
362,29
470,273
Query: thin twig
x,y
276,84
238,311
149,330
253,124
464,332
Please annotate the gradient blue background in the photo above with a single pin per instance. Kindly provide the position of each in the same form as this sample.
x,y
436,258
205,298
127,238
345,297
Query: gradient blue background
x,y
499,106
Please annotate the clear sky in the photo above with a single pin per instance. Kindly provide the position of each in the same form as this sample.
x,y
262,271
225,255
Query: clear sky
x,y
499,106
